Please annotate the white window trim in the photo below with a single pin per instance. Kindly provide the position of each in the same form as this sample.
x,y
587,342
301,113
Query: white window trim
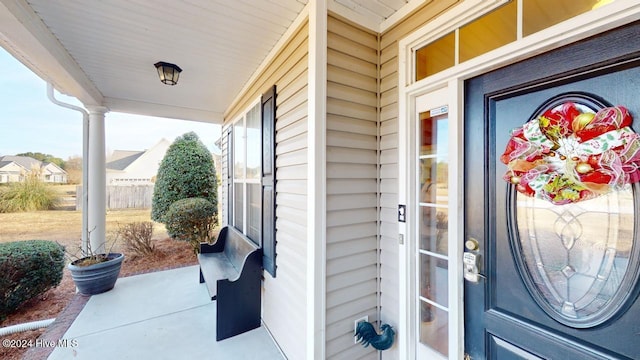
x,y
582,26
243,117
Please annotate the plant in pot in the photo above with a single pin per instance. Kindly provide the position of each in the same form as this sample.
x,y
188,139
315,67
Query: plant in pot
x,y
96,273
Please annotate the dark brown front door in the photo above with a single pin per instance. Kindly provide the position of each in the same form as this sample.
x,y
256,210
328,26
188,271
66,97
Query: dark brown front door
x,y
557,281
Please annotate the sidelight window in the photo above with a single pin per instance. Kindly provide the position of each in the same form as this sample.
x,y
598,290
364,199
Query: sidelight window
x,y
433,254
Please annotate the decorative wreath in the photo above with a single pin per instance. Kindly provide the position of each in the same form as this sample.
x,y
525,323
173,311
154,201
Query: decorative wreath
x,y
570,154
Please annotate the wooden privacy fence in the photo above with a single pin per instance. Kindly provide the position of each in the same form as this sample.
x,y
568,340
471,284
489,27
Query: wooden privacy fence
x,y
123,197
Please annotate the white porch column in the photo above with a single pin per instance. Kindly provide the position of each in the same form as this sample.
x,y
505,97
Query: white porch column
x,y
97,212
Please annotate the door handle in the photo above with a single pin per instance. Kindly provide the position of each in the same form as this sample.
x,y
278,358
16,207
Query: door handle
x,y
471,261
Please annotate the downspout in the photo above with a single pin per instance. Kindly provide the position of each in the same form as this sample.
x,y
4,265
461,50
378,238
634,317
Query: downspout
x,y
85,159
34,325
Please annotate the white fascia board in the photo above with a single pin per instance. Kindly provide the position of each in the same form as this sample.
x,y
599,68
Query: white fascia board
x,y
28,39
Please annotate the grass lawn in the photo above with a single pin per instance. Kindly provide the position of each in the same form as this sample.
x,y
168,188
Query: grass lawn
x,y
65,226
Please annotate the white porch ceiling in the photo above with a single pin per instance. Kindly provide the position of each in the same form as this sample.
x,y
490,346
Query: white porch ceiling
x,y
103,52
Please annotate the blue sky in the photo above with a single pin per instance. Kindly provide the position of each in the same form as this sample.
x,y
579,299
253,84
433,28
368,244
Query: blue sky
x,y
29,122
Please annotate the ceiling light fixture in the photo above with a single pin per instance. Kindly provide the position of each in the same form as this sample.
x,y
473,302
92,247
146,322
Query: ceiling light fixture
x,y
169,73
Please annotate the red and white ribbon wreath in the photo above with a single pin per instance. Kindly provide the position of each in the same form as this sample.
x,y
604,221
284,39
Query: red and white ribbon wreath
x,y
568,155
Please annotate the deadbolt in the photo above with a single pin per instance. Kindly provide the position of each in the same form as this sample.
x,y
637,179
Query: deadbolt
x,y
472,244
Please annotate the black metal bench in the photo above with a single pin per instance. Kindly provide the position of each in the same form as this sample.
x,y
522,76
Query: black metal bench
x,y
232,270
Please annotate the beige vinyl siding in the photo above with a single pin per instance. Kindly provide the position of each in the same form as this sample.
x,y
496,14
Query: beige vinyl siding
x,y
389,245
352,189
284,297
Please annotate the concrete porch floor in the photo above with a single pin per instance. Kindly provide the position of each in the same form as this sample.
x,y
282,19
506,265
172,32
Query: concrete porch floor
x,y
160,315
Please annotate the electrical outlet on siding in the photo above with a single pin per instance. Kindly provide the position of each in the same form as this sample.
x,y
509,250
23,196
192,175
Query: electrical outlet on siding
x,y
355,326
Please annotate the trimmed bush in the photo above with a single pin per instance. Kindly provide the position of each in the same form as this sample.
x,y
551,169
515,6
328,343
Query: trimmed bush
x,y
186,171
137,237
190,220
28,195
28,268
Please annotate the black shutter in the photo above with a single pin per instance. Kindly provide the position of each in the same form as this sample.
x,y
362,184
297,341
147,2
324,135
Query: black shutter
x,y
269,181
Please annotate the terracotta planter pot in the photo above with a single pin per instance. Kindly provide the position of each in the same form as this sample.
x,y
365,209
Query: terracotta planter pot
x,y
97,278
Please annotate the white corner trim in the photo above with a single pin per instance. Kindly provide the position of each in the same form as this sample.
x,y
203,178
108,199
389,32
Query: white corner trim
x,y
316,181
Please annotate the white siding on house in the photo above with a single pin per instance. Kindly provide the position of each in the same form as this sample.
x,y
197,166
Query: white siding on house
x,y
16,168
284,297
141,171
389,244
12,172
352,191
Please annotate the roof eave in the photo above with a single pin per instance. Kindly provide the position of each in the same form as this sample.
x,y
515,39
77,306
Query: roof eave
x,y
29,40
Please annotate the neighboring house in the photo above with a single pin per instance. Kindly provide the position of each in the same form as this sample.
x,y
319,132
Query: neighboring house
x,y
339,173
135,167
14,169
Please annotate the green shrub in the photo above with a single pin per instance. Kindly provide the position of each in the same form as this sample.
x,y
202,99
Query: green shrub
x,y
28,195
191,220
28,268
186,171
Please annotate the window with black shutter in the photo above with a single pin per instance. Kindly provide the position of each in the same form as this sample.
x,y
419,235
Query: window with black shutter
x,y
251,176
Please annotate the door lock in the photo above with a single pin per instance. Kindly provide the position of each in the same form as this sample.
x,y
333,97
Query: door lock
x,y
472,244
471,261
471,272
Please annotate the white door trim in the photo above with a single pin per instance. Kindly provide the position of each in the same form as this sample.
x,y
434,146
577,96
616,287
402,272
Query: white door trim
x,y
594,22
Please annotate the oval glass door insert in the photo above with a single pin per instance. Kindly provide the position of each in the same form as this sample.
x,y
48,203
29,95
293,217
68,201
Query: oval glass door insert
x,y
579,261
